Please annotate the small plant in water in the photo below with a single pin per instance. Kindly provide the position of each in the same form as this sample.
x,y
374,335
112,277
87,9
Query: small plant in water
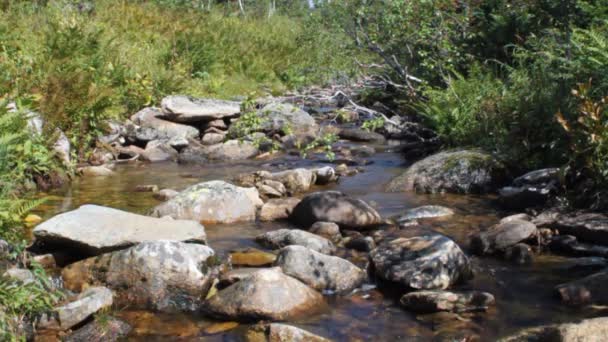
x,y
373,124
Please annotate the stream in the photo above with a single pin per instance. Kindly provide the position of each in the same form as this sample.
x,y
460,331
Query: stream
x,y
524,294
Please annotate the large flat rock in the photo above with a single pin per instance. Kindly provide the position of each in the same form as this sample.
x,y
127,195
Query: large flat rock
x,y
93,229
181,108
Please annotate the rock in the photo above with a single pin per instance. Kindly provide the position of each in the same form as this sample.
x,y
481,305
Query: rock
x,y
269,188
219,124
319,271
586,227
5,248
585,291
235,275
218,328
86,304
163,129
278,209
568,244
361,243
334,206
287,237
328,230
325,175
251,257
23,276
435,301
591,330
585,265
165,194
502,236
426,262
179,143
94,171
520,254
461,172
276,332
185,109
531,190
161,275
226,151
147,188
212,202
159,150
427,211
213,138
267,294
358,134
62,147
519,217
108,330
282,117
94,230
295,181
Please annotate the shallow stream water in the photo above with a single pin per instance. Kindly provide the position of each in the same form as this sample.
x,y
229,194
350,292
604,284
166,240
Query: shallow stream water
x,y
524,294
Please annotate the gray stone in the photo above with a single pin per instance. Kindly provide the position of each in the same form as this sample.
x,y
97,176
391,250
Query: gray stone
x,y
62,147
86,304
501,236
212,202
159,150
278,209
268,294
334,206
427,211
94,229
428,262
163,275
325,175
358,134
150,118
276,332
287,237
328,230
95,171
180,108
226,151
435,301
319,271
24,276
165,194
281,116
462,171
585,226
588,330
213,138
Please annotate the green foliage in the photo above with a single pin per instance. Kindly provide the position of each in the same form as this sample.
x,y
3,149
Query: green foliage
x,y
374,124
324,143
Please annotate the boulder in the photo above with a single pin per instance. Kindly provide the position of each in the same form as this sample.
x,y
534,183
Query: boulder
x,y
149,118
95,171
94,230
427,211
278,208
86,304
358,134
162,275
585,226
251,257
286,237
282,117
62,147
235,275
212,202
295,181
585,291
267,294
461,172
325,175
428,262
213,138
108,330
159,150
590,330
501,236
277,332
334,206
328,230
226,151
531,190
185,109
435,301
319,271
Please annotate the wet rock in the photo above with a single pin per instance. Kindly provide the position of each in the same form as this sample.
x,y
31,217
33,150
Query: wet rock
x,y
278,209
93,230
585,291
586,227
319,271
361,243
159,150
569,245
519,254
95,171
276,332
86,304
165,194
531,190
226,151
230,277
147,188
584,265
108,330
594,329
358,134
435,301
163,129
218,328
185,109
328,230
462,172
287,237
427,211
519,217
280,117
363,151
213,138
295,181
325,175
267,294
334,206
502,236
426,262
212,202
163,275
251,257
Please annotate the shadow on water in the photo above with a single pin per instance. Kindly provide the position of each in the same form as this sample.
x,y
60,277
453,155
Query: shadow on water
x,y
524,293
